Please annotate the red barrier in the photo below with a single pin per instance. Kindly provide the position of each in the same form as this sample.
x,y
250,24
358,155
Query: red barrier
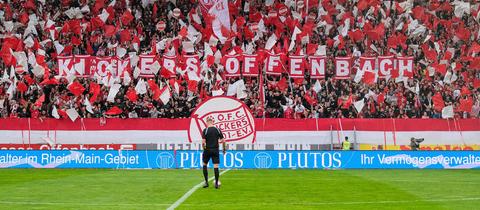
x,y
394,125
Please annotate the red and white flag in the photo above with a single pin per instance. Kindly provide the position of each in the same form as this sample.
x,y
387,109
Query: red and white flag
x,y
218,10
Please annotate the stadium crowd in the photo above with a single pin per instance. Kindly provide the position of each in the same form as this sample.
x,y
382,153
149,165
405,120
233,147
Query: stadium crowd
x,y
442,36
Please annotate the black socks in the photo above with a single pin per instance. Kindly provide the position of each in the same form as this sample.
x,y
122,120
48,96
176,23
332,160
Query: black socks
x,y
217,174
205,174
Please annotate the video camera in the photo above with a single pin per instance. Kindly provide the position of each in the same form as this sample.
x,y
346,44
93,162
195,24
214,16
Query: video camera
x,y
418,140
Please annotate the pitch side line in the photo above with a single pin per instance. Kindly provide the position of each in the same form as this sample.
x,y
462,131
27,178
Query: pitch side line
x,y
80,204
342,203
237,204
190,192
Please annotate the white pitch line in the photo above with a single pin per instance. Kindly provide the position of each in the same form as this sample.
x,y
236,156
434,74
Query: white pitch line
x,y
190,192
80,204
341,203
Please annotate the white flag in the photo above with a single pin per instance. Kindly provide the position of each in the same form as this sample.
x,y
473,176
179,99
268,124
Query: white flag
x,y
447,112
8,26
29,42
296,31
121,52
317,87
4,77
126,78
72,114
58,47
176,87
87,104
358,76
165,95
359,105
55,113
104,15
11,89
192,75
218,92
141,87
12,72
207,50
321,50
232,89
155,67
461,8
272,40
136,72
113,92
241,89
38,70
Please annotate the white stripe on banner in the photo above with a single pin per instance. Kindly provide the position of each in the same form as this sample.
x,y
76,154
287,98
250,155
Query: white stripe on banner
x,y
263,137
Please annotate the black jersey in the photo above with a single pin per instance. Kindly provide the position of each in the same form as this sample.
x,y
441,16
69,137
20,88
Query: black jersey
x,y
212,135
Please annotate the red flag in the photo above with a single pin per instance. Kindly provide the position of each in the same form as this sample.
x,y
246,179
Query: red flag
x,y
30,4
442,68
7,56
310,100
29,80
466,104
311,48
348,103
114,111
65,28
465,91
192,86
89,49
378,33
125,36
282,84
154,10
183,32
381,98
96,22
476,83
362,5
76,88
155,89
475,64
132,95
24,18
95,90
463,33
75,26
369,77
40,101
438,102
356,35
127,17
99,4
51,81
76,41
429,54
21,87
110,30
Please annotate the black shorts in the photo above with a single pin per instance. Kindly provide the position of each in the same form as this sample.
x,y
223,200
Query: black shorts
x,y
214,154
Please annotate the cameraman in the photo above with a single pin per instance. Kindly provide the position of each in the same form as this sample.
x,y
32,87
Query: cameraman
x,y
415,143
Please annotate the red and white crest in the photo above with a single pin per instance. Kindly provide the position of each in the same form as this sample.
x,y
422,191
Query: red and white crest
x,y
230,115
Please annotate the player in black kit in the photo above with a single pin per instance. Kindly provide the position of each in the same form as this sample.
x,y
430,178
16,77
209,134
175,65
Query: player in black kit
x,y
211,136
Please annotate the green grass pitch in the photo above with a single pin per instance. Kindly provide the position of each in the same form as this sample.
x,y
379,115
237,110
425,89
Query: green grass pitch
x,y
241,189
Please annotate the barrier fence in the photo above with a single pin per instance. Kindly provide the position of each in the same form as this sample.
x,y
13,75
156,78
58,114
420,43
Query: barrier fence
x,y
271,134
158,159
